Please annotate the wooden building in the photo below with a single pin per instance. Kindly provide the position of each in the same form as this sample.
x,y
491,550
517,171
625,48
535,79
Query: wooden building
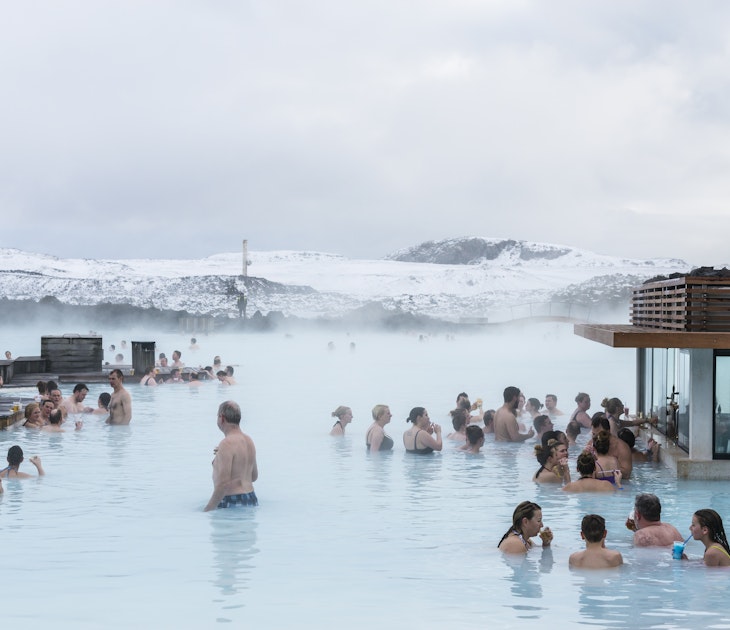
x,y
681,331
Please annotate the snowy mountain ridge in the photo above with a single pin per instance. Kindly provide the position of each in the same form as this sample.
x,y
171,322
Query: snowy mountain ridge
x,y
448,279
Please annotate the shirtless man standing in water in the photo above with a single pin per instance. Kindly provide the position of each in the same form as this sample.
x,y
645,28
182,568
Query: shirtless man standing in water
x,y
234,465
120,405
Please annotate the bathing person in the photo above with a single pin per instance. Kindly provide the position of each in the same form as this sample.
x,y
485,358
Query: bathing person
x,y
462,401
617,448
194,380
595,556
103,404
418,439
542,425
614,408
707,527
474,439
586,467
148,380
175,377
526,523
41,386
229,375
375,438
33,418
533,406
120,404
176,362
344,417
222,377
651,454
581,412
119,358
162,360
46,408
234,465
15,458
8,355
647,525
551,401
75,402
489,421
573,431
194,344
56,397
505,422
553,460
606,465
56,420
459,419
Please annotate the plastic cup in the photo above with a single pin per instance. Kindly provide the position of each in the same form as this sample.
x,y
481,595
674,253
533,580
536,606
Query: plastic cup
x,y
677,550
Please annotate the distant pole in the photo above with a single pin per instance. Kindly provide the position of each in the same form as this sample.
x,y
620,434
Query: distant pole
x,y
245,258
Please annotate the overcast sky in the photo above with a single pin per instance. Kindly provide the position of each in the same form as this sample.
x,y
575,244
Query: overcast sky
x,y
179,128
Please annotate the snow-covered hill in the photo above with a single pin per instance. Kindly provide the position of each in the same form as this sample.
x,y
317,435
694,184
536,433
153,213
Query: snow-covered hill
x,y
449,279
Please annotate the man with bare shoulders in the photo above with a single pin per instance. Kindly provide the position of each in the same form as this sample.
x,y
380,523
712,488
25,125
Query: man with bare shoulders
x,y
649,531
234,465
75,402
505,420
120,405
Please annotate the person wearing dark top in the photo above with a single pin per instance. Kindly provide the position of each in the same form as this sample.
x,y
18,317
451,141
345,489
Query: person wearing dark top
x,y
419,438
375,438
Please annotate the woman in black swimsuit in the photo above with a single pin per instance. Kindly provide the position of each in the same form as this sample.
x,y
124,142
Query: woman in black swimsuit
x,y
375,438
419,438
344,417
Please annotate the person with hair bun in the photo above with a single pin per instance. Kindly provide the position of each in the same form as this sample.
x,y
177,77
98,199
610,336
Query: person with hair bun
x,y
586,467
607,465
533,406
344,417
526,523
707,527
419,438
614,408
553,459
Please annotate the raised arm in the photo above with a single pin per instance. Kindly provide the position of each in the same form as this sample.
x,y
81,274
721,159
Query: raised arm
x,y
36,461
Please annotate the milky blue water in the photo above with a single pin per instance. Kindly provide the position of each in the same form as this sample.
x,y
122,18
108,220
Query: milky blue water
x,y
114,534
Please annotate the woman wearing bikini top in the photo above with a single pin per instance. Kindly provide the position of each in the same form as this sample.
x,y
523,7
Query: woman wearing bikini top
x,y
707,527
526,523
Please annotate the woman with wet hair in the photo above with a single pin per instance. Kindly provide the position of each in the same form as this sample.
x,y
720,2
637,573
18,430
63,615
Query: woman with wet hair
x,y
15,459
344,417
419,438
707,527
553,459
148,380
526,523
614,408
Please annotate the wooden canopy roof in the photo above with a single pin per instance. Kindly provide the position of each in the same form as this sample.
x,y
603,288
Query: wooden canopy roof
x,y
628,336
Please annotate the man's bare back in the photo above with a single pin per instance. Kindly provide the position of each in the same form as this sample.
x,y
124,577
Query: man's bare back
x,y
658,535
234,465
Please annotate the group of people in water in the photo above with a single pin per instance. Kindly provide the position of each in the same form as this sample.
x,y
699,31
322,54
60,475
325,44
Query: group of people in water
x,y
605,462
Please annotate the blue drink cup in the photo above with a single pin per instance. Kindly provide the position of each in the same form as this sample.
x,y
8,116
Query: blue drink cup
x,y
677,550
